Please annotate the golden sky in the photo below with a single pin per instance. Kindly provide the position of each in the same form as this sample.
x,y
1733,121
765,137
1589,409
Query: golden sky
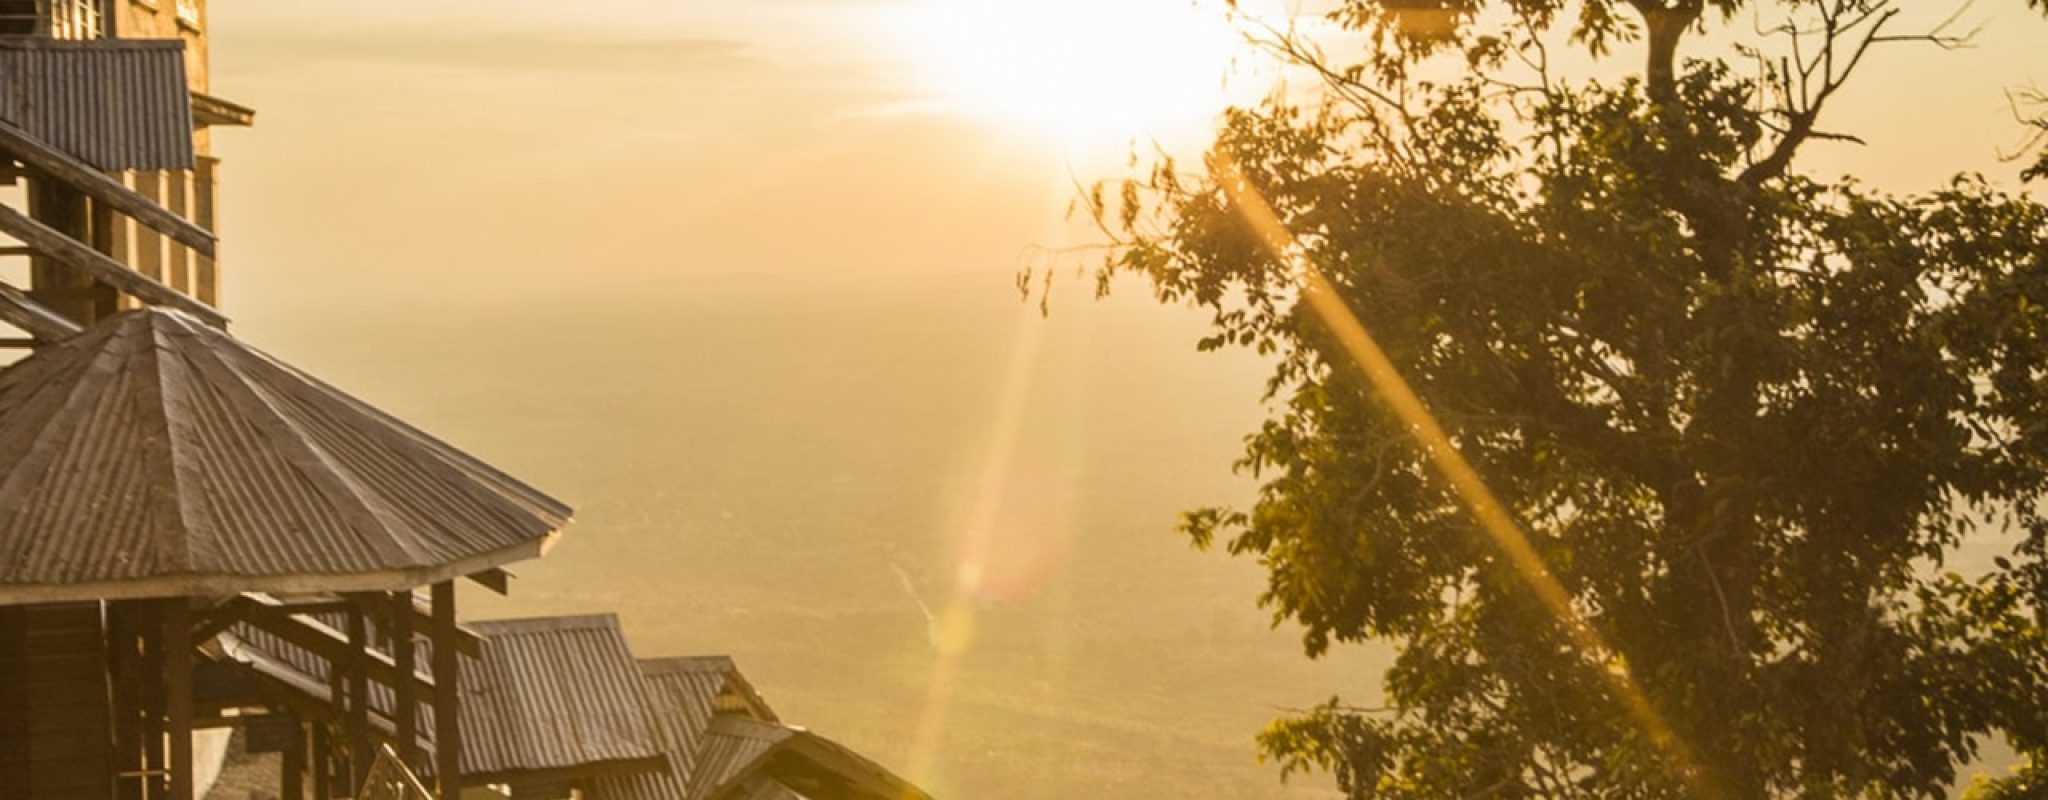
x,y
626,140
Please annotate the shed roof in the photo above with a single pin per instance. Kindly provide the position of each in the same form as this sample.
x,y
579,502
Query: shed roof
x,y
553,694
118,104
156,456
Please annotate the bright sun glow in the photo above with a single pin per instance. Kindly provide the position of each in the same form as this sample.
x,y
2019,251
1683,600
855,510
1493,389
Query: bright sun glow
x,y
1091,72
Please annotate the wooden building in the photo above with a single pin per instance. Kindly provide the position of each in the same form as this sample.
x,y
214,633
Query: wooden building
x,y
162,483
195,535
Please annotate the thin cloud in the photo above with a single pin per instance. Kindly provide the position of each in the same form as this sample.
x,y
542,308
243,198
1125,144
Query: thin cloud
x,y
544,51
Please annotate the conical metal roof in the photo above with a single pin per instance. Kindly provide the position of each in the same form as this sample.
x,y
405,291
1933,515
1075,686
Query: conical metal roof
x,y
156,456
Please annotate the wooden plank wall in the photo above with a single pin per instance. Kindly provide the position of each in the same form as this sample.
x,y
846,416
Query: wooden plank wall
x,y
55,724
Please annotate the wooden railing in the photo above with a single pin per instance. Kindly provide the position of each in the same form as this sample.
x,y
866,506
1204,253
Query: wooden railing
x,y
390,780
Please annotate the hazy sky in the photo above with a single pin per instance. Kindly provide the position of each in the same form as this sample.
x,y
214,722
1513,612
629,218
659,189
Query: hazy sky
x,y
547,144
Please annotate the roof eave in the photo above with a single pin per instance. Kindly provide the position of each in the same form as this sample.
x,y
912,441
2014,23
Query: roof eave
x,y
216,585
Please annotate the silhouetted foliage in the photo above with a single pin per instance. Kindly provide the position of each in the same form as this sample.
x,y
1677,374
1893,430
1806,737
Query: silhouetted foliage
x,y
1744,414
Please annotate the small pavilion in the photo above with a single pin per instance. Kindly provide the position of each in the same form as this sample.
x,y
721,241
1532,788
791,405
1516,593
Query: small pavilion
x,y
161,483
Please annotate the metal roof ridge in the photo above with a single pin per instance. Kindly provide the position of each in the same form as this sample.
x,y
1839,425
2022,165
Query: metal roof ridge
x,y
385,527
659,665
604,620
171,454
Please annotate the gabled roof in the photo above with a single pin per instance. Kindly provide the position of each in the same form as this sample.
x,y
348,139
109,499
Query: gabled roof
x,y
555,697
684,696
156,456
705,685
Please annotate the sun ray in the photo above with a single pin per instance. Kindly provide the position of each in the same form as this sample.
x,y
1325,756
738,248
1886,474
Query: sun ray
x,y
953,627
1084,73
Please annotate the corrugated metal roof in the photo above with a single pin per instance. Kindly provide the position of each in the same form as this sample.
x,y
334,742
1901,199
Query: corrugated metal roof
x,y
743,758
731,745
684,695
558,693
553,693
154,455
117,104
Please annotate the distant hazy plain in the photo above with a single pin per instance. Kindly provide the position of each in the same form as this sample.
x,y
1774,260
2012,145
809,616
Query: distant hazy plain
x,y
783,470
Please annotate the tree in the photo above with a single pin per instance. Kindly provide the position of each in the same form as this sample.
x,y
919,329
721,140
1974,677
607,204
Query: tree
x,y
1734,418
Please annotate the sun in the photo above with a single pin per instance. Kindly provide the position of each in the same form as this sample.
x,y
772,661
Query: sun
x,y
1088,72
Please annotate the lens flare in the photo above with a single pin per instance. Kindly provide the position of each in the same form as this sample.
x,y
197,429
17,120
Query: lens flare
x,y
954,626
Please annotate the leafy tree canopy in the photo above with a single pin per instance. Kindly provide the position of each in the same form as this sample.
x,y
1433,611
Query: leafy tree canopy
x,y
1743,416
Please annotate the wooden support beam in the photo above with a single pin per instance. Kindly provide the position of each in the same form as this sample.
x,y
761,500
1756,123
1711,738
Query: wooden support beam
x,y
496,579
152,689
210,110
178,270
38,320
467,642
64,249
125,652
270,608
205,195
322,641
96,185
357,667
149,245
177,655
447,693
406,715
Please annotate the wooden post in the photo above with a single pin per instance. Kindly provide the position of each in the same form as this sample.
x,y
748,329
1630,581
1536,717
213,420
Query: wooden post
x,y
149,245
406,715
323,762
359,755
206,270
124,655
292,784
178,189
109,236
447,693
177,647
150,627
335,762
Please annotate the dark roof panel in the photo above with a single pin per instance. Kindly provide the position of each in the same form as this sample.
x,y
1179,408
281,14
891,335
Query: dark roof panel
x,y
553,693
118,104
